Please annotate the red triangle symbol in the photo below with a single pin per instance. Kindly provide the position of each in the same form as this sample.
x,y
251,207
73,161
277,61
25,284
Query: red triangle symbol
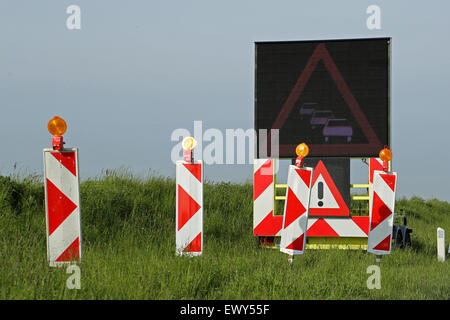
x,y
342,210
384,245
187,207
195,245
297,244
68,160
389,179
321,228
195,169
72,252
321,54
362,223
262,181
294,208
269,226
374,164
59,207
305,175
380,211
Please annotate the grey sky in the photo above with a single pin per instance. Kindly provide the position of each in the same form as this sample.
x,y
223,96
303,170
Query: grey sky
x,y
137,70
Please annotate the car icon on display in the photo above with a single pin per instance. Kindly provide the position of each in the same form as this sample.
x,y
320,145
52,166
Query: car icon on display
x,y
307,109
337,128
320,117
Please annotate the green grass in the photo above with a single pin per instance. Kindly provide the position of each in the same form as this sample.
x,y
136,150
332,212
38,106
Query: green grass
x,y
128,239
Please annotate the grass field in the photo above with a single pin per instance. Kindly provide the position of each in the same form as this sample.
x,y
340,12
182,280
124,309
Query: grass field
x,y
128,234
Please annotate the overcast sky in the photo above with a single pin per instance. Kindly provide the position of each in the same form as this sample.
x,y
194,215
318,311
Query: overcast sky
x,y
138,70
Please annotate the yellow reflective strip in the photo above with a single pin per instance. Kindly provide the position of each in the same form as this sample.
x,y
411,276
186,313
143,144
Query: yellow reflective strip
x,y
359,185
360,197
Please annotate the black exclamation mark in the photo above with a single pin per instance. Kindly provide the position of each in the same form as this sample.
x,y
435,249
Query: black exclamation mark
x,y
320,193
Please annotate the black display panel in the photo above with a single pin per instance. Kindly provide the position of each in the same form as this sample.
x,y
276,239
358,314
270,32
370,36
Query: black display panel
x,y
334,95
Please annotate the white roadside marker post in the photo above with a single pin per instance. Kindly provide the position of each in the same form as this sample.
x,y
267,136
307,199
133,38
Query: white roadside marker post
x,y
441,244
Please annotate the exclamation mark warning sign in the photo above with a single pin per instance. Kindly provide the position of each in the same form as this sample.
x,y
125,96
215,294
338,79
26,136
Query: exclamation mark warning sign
x,y
321,196
326,199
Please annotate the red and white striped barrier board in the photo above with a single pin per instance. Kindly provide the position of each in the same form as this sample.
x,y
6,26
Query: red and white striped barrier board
x,y
264,221
62,205
266,224
382,212
374,164
296,208
338,227
189,208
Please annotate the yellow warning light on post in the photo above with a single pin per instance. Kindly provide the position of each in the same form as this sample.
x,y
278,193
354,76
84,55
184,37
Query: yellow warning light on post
x,y
57,126
189,143
385,154
302,150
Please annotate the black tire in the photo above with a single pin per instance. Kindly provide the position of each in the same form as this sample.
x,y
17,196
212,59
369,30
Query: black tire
x,y
408,239
399,240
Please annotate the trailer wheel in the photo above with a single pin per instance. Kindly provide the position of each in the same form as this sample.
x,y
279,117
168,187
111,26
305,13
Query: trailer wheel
x,y
399,240
408,239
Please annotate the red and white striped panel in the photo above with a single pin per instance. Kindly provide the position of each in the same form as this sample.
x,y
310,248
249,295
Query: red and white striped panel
x,y
339,227
382,212
62,203
264,222
189,208
374,164
296,209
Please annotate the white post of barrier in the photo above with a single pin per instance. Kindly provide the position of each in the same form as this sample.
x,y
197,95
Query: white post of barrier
x,y
62,199
296,207
441,244
189,203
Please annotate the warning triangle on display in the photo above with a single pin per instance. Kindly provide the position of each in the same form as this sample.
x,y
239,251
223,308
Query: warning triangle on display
x,y
321,54
326,199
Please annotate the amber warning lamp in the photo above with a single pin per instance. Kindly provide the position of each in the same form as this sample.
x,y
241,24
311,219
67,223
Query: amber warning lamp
x,y
302,151
57,127
385,156
189,143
